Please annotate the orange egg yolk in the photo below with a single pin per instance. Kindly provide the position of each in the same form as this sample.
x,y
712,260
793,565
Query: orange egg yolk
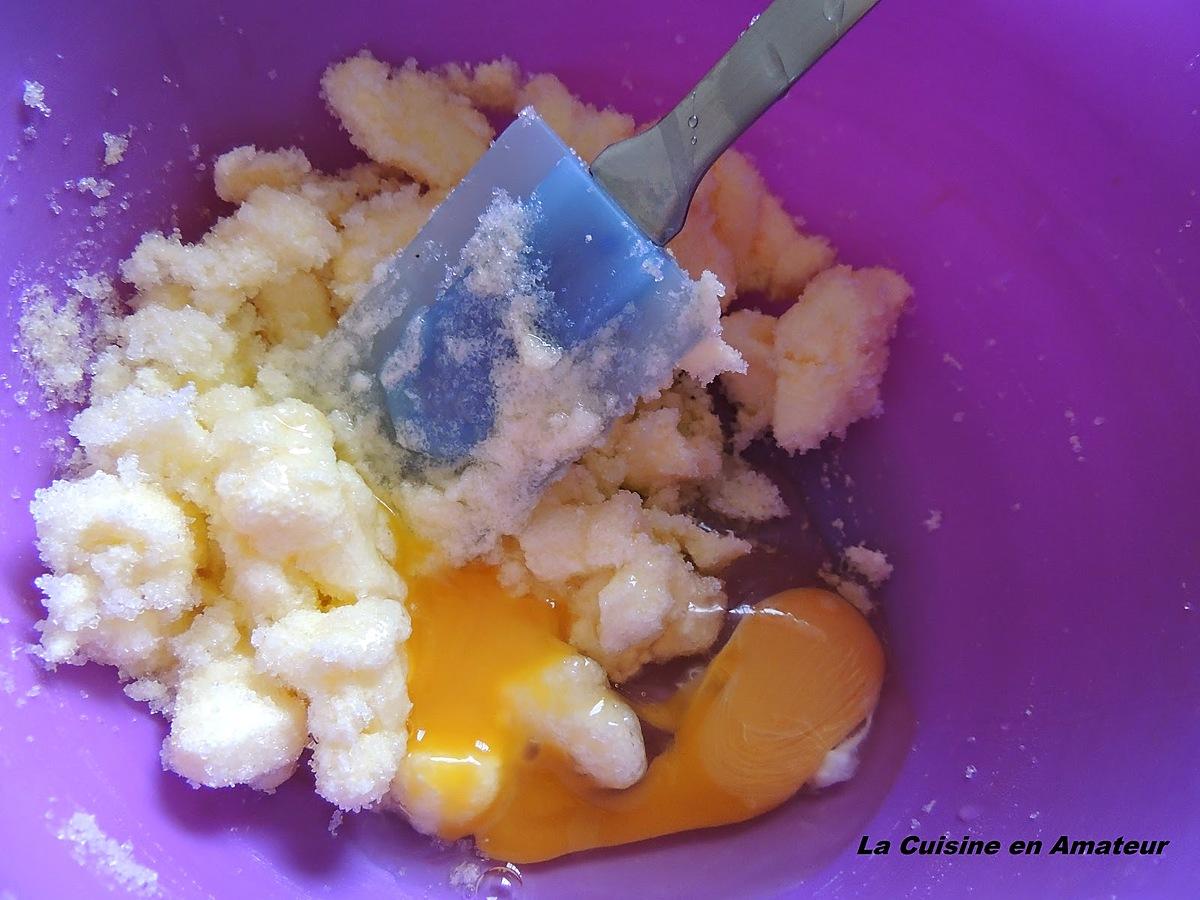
x,y
800,673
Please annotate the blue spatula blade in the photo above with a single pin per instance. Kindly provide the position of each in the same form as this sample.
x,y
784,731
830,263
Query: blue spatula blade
x,y
605,295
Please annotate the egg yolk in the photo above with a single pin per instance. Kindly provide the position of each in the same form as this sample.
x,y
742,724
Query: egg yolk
x,y
471,644
800,673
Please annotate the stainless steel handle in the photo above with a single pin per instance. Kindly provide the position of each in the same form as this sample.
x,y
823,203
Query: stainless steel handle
x,y
654,174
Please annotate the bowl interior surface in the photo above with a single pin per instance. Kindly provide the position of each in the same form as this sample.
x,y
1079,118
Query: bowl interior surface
x,y
1030,167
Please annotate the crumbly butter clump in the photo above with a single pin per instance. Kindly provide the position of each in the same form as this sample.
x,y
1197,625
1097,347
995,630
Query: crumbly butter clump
x,y
223,550
816,369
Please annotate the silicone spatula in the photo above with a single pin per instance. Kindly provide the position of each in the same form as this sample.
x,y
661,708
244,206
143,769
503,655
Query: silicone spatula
x,y
599,295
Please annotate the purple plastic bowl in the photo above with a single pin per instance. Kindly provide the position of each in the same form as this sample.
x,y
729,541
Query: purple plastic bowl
x,y
1031,166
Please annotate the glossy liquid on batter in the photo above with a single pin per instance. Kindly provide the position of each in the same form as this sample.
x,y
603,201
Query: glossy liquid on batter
x,y
801,672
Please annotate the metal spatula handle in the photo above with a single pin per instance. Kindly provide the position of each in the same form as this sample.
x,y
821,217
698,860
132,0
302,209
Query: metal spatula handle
x,y
654,174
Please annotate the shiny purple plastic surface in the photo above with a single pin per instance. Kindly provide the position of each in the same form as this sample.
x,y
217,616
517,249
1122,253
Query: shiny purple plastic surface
x,y
1032,167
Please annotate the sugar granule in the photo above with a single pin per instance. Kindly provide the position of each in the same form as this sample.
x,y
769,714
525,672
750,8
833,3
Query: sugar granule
x,y
115,146
92,286
55,343
870,564
97,187
111,860
466,875
850,590
35,97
